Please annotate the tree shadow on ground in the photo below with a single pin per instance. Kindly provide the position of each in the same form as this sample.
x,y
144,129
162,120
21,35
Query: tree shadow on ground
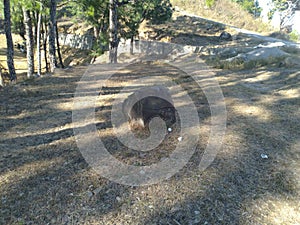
x,y
46,179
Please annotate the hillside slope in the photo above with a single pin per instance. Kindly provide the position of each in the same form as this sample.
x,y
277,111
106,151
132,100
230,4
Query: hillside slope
x,y
224,11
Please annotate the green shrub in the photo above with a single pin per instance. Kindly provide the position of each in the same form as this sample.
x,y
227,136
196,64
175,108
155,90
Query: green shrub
x,y
294,36
209,3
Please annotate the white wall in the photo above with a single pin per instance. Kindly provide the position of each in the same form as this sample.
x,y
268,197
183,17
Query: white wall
x,y
296,25
275,22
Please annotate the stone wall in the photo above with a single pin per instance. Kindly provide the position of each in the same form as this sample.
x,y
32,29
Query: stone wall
x,y
84,42
155,47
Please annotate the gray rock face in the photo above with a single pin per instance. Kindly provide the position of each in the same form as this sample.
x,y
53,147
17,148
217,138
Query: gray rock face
x,y
143,105
77,41
260,54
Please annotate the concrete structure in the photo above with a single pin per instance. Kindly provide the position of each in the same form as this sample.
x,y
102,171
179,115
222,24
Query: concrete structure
x,y
296,22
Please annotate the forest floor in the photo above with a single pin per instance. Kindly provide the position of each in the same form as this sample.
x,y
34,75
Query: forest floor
x,y
44,178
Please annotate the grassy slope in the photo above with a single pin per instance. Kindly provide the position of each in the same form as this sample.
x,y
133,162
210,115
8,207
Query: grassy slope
x,y
224,11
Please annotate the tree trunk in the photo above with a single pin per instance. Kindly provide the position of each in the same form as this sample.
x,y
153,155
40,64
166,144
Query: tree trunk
x,y
52,22
58,48
1,79
113,32
35,15
131,44
29,42
9,42
38,42
96,32
45,35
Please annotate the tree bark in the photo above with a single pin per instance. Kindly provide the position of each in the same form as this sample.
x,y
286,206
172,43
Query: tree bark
x,y
96,33
9,41
45,34
35,20
58,48
29,42
131,44
113,32
38,42
1,79
52,22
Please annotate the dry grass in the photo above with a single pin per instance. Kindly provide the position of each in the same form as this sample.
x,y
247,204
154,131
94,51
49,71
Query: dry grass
x,y
44,179
20,58
224,11
70,57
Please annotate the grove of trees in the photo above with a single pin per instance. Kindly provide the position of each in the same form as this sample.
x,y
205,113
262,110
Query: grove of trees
x,y
36,22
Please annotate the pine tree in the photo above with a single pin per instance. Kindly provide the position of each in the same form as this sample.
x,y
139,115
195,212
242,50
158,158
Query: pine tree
x,y
113,32
52,23
29,42
38,41
9,41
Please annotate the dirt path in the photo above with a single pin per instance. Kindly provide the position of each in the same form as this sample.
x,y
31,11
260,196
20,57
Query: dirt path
x,y
243,31
45,180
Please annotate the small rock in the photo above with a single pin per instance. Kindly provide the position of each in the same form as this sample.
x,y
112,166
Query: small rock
x,y
65,219
89,194
97,191
264,156
197,221
209,26
143,155
3,199
176,9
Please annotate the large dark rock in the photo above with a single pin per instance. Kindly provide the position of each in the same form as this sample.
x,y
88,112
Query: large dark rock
x,y
143,105
225,36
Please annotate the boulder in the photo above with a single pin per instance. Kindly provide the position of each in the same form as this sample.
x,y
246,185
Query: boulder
x,y
225,36
259,54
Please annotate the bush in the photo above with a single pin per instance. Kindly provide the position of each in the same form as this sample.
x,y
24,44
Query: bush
x,y
209,3
294,36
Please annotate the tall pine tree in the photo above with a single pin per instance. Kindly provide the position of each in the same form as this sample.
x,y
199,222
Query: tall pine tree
x,y
9,41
